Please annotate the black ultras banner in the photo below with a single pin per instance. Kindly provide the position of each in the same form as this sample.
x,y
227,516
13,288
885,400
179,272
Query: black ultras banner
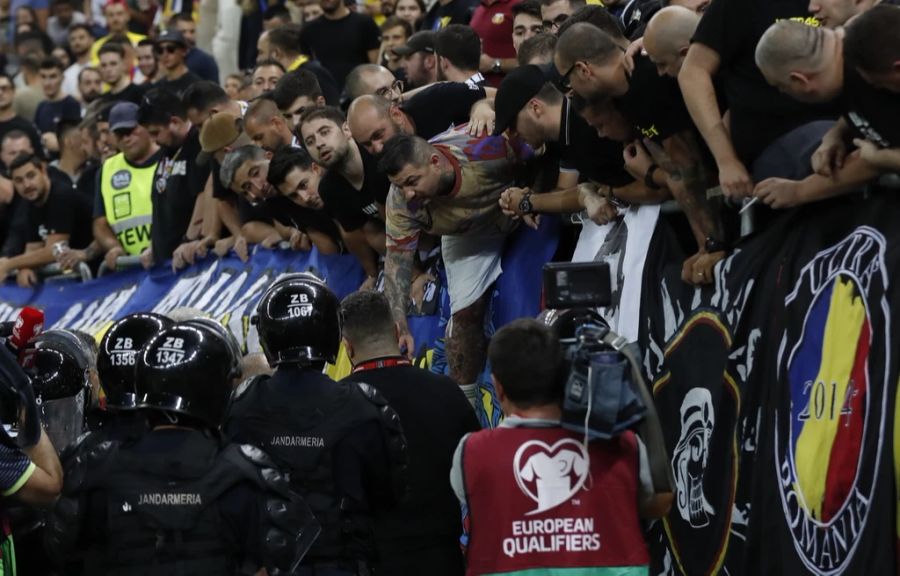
x,y
776,388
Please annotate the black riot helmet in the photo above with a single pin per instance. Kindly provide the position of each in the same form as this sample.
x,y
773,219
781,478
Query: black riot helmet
x,y
226,335
60,363
187,369
299,321
119,349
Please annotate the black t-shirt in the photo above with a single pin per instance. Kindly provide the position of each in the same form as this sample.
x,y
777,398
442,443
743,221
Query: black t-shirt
x,y
442,106
352,208
341,45
64,212
131,93
48,114
759,112
327,84
654,103
595,158
456,12
287,213
15,237
177,182
19,123
435,416
180,84
873,113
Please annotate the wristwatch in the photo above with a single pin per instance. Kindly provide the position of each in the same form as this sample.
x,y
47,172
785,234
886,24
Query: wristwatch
x,y
497,67
525,206
648,177
713,245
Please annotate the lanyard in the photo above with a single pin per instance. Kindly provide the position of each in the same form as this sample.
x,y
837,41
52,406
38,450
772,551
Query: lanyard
x,y
381,363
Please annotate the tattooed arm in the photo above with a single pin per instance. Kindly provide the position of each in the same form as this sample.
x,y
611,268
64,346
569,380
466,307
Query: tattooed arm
x,y
688,178
398,266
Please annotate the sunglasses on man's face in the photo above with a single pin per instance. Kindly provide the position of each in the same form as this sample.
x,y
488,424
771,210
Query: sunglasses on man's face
x,y
123,132
549,25
167,49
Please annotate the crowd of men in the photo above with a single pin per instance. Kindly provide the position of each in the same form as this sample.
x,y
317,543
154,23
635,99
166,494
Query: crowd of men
x,y
420,139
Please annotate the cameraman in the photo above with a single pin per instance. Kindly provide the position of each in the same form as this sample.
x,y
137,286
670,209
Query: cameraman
x,y
535,496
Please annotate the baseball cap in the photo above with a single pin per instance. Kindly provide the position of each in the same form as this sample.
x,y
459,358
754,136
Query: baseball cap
x,y
123,115
419,42
172,37
517,88
158,106
218,132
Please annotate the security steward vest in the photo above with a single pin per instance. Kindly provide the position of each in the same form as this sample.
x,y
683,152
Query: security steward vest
x,y
127,191
299,426
538,500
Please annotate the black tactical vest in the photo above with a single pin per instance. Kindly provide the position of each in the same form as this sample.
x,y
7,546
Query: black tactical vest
x,y
159,526
300,432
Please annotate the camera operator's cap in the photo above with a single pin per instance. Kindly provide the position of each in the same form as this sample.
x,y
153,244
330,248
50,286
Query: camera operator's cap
x,y
171,37
123,115
219,131
419,42
517,88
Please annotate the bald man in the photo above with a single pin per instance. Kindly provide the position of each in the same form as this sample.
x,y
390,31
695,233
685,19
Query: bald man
x,y
805,62
808,64
267,127
371,79
668,37
373,120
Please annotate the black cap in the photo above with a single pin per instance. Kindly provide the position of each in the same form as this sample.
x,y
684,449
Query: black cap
x,y
171,36
517,88
419,42
158,106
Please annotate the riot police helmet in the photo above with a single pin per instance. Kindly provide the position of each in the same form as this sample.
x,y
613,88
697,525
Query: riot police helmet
x,y
299,321
187,369
60,365
224,333
119,349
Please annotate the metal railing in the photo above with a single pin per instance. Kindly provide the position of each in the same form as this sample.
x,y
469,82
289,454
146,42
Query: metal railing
x,y
122,263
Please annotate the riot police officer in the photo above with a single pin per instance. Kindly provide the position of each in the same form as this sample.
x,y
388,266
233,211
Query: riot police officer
x,y
178,500
340,441
63,369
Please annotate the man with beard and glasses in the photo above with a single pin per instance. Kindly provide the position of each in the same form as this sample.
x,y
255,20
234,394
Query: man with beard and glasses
x,y
353,189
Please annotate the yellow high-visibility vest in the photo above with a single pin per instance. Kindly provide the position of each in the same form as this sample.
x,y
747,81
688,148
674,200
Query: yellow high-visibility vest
x,y
126,192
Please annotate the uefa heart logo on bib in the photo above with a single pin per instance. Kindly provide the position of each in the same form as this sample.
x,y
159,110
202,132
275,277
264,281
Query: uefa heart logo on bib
x,y
551,475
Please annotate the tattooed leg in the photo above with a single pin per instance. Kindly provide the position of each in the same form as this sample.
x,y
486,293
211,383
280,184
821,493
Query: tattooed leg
x,y
466,343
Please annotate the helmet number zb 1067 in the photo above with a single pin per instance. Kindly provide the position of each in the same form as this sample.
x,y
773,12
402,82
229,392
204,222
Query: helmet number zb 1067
x,y
299,306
